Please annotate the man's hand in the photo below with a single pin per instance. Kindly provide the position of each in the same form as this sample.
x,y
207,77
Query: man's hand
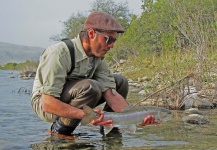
x,y
149,120
100,121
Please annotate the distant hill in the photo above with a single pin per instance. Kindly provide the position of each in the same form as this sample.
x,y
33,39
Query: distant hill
x,y
18,53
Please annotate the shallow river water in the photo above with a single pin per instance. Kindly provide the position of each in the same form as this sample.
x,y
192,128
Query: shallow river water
x,y
22,129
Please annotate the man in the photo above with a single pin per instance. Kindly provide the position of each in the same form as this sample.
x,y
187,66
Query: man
x,y
58,97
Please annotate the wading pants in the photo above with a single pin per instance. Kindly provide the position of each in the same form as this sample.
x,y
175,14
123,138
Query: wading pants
x,y
85,91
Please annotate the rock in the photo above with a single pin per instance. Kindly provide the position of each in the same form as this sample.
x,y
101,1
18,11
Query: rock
x,y
143,79
142,93
213,74
146,79
134,84
25,78
196,119
193,111
189,90
147,85
32,74
203,103
133,90
196,101
27,75
139,80
130,81
122,61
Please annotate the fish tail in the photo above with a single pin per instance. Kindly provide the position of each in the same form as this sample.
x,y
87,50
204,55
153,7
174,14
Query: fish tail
x,y
89,116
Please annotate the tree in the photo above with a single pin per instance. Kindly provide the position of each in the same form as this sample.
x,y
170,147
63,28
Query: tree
x,y
75,23
71,27
151,31
195,23
119,11
10,65
173,24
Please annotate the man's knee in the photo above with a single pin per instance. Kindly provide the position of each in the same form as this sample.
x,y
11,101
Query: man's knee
x,y
120,80
92,86
83,88
88,88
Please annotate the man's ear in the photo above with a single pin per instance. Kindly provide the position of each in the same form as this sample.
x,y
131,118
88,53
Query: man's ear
x,y
91,33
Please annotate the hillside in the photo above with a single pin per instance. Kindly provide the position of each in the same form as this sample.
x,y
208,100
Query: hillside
x,y
18,53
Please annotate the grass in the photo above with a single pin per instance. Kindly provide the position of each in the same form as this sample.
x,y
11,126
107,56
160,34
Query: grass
x,y
170,65
170,73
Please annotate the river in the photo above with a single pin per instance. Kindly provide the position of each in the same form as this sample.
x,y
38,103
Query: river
x,y
22,129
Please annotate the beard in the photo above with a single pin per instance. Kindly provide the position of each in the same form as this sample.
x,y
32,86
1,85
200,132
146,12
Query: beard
x,y
98,51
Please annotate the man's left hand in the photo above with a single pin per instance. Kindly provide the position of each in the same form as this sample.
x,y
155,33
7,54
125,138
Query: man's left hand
x,y
149,120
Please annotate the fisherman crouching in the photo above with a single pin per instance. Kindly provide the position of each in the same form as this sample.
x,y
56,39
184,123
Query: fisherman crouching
x,y
58,97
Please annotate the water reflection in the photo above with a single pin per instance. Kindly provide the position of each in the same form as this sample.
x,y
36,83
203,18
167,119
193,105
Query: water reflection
x,y
82,141
51,144
95,140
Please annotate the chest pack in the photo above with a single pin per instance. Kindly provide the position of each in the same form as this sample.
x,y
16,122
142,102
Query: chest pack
x,y
70,46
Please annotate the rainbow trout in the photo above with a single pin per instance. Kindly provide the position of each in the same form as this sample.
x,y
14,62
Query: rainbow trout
x,y
128,118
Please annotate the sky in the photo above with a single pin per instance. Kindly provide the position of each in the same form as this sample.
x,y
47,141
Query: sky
x,y
33,22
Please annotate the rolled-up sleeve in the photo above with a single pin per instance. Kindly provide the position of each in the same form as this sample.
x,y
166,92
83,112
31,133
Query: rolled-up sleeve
x,y
52,70
104,76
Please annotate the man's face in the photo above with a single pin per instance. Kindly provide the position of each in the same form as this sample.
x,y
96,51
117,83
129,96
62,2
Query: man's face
x,y
102,42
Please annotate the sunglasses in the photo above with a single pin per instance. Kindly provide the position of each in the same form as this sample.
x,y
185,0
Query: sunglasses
x,y
108,39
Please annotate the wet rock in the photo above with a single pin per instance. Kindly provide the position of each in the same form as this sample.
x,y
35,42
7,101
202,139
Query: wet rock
x,y
196,119
27,75
32,74
25,78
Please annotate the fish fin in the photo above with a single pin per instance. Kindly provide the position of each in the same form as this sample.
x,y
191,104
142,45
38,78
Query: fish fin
x,y
131,128
107,129
85,120
90,115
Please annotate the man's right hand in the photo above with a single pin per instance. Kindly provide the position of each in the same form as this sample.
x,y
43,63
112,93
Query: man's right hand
x,y
100,121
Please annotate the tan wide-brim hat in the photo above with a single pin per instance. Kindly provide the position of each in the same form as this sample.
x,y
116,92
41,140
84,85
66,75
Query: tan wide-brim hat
x,y
102,21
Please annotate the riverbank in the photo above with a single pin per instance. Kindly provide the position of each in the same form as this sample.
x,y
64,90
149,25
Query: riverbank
x,y
164,79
